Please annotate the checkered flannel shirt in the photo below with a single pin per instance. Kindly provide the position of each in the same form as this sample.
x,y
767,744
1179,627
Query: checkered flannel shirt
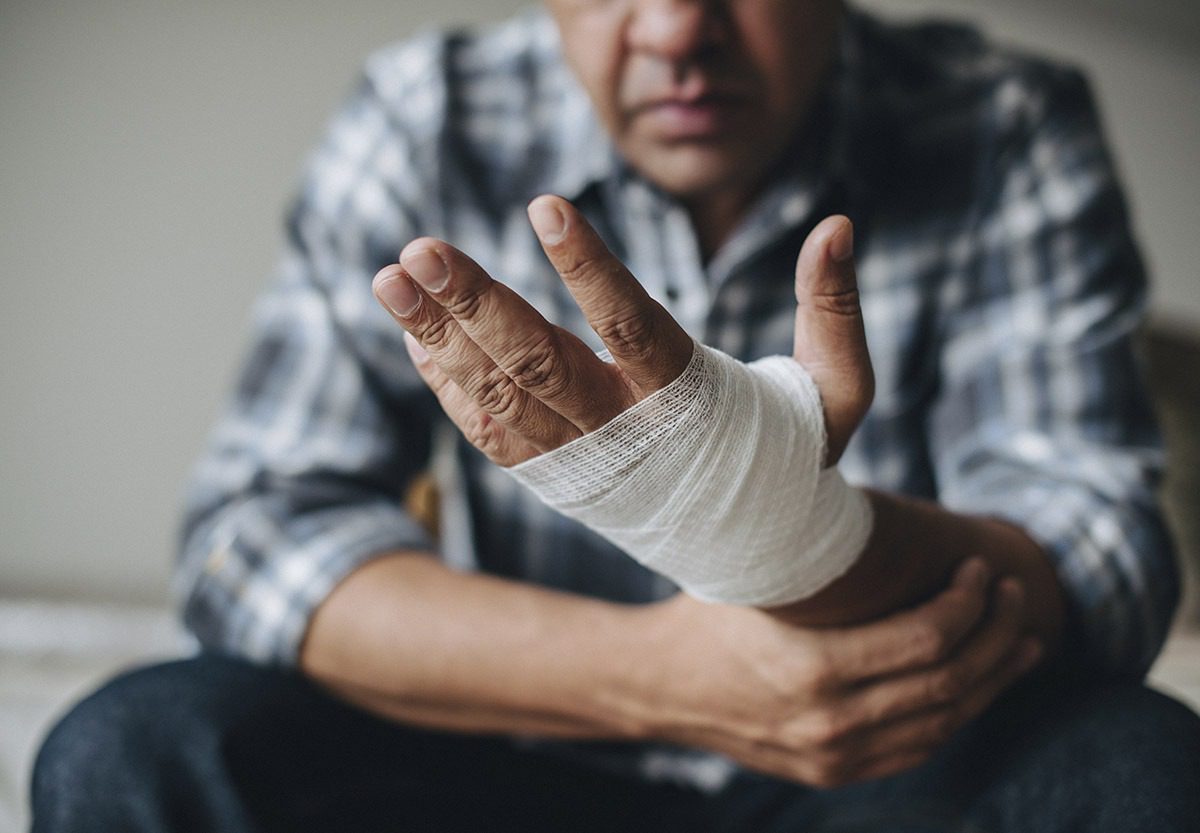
x,y
999,279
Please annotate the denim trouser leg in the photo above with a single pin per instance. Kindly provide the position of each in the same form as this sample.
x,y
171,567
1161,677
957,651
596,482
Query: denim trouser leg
x,y
217,744
1050,758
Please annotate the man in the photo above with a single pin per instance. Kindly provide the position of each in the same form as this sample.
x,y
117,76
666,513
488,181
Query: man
x,y
534,677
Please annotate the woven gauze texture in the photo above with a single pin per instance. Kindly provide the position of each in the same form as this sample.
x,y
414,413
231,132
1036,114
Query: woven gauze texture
x,y
715,481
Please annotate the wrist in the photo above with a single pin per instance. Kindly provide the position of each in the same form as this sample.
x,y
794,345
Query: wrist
x,y
632,685
610,666
668,678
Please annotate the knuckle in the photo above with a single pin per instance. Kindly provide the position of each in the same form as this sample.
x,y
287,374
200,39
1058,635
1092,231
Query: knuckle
x,y
437,334
465,303
536,367
930,641
827,773
497,395
483,433
792,735
582,267
828,727
630,335
845,302
820,671
762,733
947,684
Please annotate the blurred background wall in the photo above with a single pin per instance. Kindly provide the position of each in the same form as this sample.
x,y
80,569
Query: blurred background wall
x,y
146,153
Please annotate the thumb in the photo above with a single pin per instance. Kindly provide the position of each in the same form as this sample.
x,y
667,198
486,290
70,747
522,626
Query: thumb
x,y
830,341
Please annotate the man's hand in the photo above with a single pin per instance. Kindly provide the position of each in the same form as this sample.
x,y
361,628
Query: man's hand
x,y
419,643
518,386
830,707
859,702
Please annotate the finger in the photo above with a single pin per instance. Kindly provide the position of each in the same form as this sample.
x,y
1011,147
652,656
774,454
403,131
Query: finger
x,y
920,708
932,728
830,340
1023,659
889,765
947,682
501,446
546,361
646,342
910,639
461,359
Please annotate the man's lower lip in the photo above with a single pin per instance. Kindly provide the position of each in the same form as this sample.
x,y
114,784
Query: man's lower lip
x,y
682,121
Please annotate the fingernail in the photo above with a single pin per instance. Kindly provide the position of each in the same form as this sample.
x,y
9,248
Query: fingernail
x,y
419,356
841,243
547,221
398,295
427,268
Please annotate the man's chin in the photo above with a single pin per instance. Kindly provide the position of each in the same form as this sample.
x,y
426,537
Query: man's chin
x,y
693,170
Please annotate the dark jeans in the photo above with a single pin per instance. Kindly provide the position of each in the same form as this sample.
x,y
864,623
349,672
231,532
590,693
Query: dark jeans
x,y
215,744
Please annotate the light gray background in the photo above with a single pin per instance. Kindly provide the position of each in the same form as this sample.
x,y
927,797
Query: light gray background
x,y
146,153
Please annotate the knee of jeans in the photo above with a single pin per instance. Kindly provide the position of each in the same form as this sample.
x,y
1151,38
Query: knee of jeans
x,y
1141,726
1120,757
129,728
101,740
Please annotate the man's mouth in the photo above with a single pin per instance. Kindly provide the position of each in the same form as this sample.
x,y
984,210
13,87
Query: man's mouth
x,y
696,117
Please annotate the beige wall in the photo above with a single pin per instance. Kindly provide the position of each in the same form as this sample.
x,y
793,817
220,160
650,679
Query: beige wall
x,y
146,150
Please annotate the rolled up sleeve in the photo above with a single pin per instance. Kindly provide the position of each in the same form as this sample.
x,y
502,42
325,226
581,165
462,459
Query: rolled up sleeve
x,y
303,477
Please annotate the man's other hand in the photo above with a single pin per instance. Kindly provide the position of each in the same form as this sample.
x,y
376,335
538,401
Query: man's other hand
x,y
828,707
518,386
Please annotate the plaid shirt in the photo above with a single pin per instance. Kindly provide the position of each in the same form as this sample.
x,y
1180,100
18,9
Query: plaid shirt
x,y
999,282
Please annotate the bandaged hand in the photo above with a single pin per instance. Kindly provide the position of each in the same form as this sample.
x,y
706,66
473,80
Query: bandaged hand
x,y
774,528
716,481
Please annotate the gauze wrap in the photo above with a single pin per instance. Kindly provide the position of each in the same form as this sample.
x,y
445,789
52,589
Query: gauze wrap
x,y
715,481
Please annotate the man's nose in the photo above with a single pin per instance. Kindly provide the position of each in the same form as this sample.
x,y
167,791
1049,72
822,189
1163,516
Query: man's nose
x,y
674,30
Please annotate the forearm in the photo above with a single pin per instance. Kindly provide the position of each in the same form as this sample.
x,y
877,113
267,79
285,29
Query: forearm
x,y
414,641
915,546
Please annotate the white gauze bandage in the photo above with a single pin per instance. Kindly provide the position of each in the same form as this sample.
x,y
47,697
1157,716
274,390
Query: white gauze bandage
x,y
716,482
